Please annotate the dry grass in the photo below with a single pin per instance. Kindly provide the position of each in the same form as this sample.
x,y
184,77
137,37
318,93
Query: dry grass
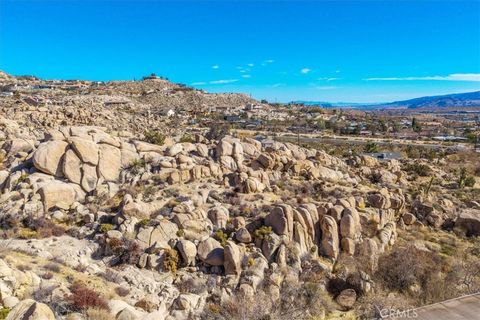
x,y
65,274
98,314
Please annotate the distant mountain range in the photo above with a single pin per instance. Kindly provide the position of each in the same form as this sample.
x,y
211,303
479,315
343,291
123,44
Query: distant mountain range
x,y
468,99
326,104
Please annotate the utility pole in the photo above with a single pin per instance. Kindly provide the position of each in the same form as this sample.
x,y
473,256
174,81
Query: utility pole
x,y
477,143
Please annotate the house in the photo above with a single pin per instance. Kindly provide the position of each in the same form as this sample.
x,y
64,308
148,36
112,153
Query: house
x,y
232,118
152,76
267,143
252,107
115,102
384,155
449,138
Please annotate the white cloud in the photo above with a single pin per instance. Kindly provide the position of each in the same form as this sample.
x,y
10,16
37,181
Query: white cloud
x,y
450,77
216,66
200,83
269,61
246,76
305,70
328,79
223,81
326,87
277,85
250,64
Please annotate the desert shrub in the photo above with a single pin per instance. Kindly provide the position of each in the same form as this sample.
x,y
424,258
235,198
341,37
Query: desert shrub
x,y
186,138
83,298
24,267
221,236
375,177
146,305
469,182
116,245
126,252
154,137
465,180
172,203
247,210
191,285
477,171
149,192
447,249
143,223
419,169
465,273
136,165
105,227
42,227
8,222
371,147
406,267
27,234
22,178
53,267
4,313
44,293
413,153
262,232
122,291
180,233
218,131
80,267
170,260
300,301
47,275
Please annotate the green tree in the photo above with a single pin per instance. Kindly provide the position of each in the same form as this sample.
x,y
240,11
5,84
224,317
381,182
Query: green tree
x,y
371,147
472,137
416,126
321,124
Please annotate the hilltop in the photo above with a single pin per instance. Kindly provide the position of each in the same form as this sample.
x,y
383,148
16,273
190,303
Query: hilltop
x,y
118,105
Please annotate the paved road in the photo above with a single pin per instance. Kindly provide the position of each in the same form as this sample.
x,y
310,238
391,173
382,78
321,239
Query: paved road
x,y
337,140
343,140
463,308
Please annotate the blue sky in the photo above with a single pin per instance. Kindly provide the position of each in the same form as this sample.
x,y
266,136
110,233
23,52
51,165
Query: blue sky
x,y
355,51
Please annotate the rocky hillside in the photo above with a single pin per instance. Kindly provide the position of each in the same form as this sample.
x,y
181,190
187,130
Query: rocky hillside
x,y
118,105
97,224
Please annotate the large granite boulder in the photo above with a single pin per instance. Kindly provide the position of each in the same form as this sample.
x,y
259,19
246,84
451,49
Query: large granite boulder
x,y
211,252
48,156
30,310
468,222
57,194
